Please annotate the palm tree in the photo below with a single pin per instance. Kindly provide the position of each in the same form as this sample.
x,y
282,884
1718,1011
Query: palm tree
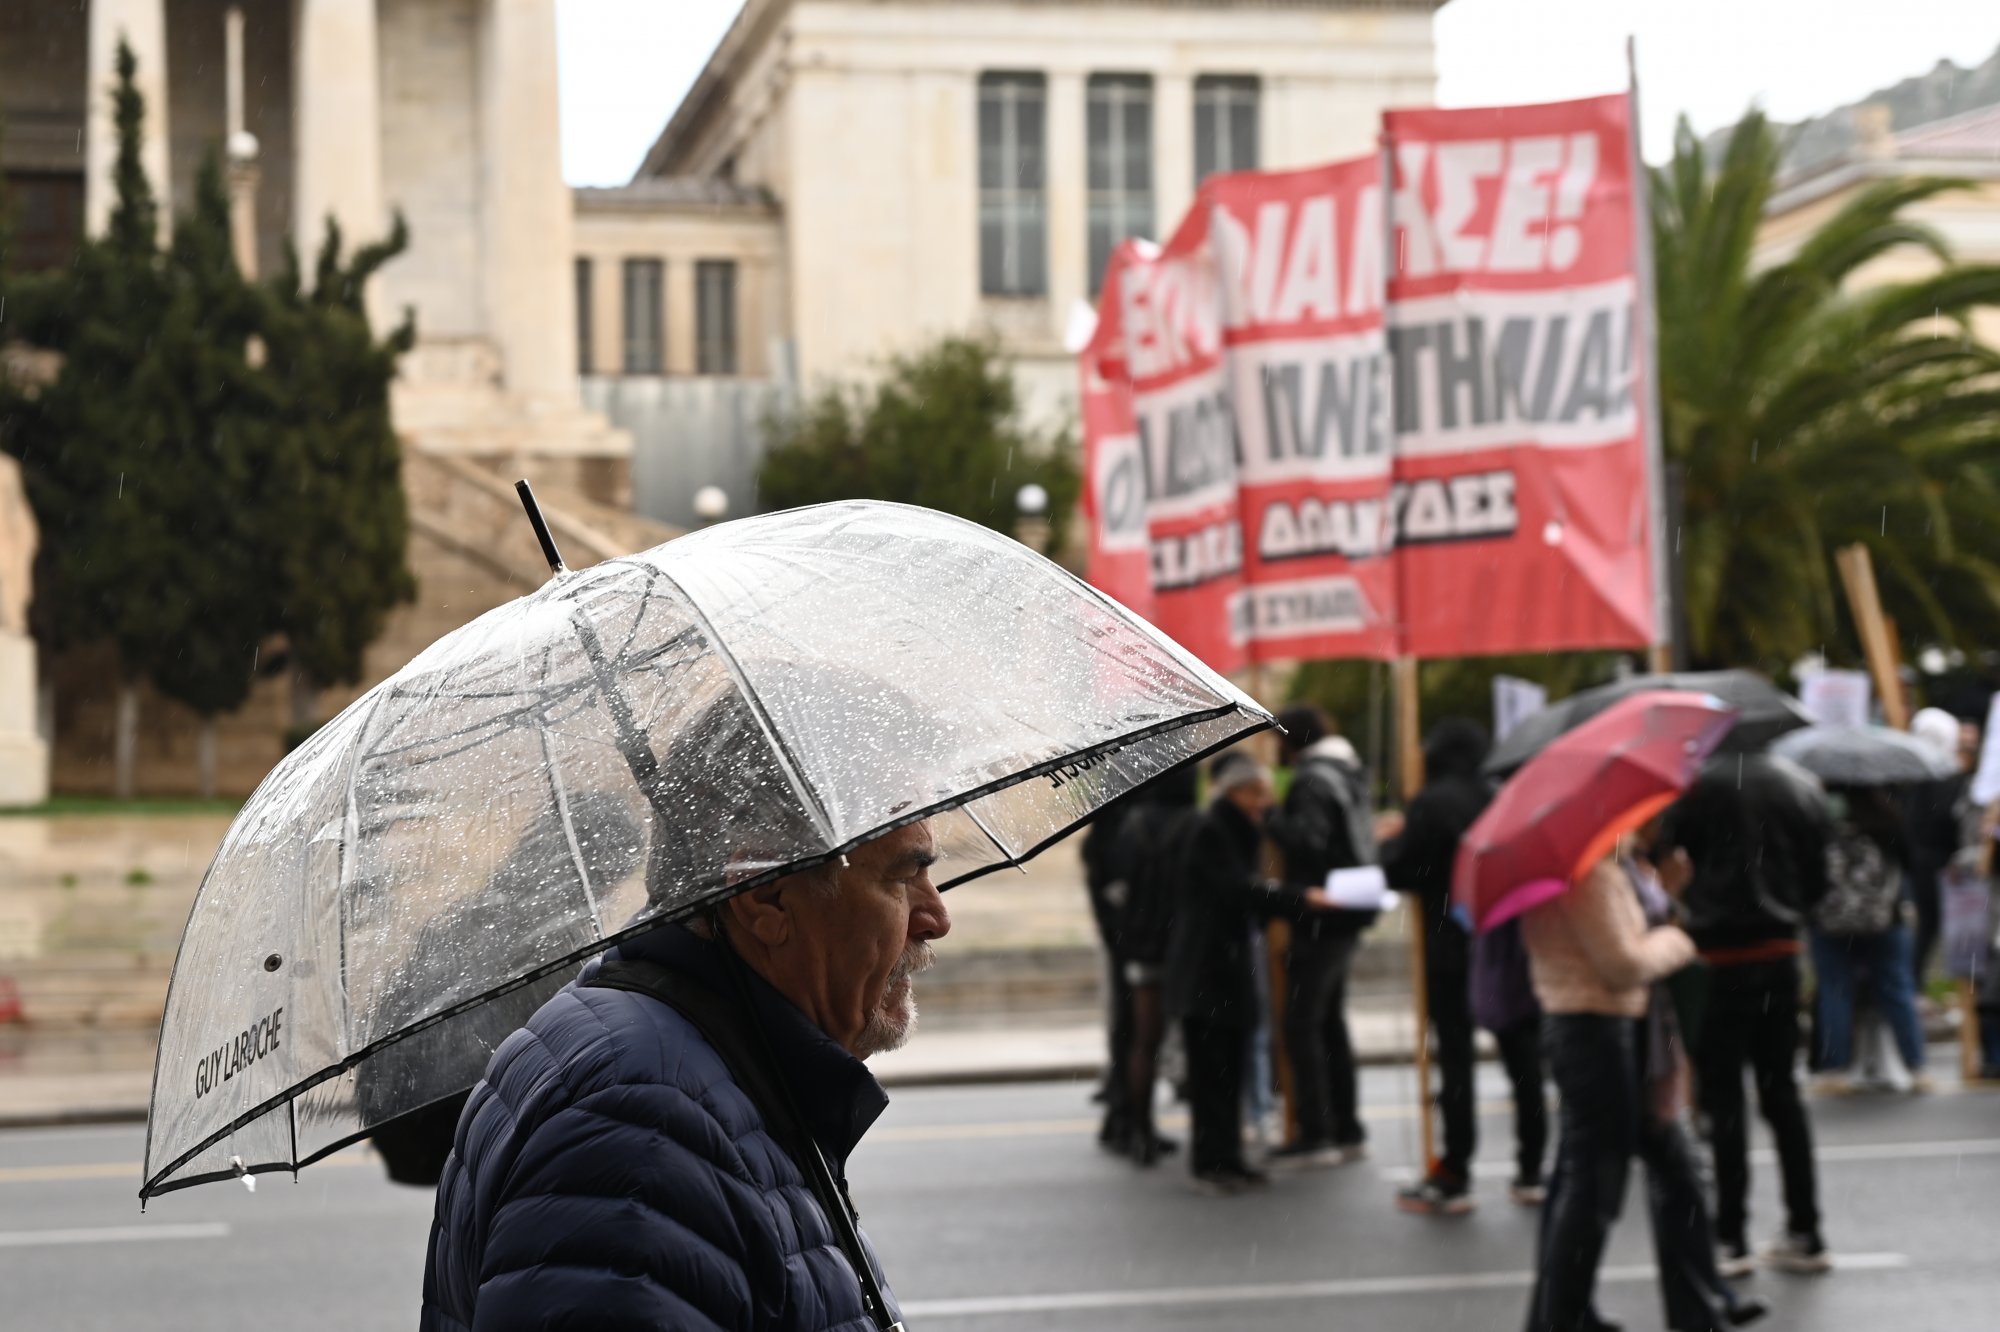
x,y
1807,411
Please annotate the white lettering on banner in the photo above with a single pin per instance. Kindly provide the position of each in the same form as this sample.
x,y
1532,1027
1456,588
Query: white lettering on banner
x,y
1298,529
1482,369
1330,605
1187,442
1544,186
1292,272
1470,506
1313,408
1188,560
1171,314
1118,482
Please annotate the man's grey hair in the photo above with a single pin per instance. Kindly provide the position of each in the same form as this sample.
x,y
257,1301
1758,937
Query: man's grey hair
x,y
1235,769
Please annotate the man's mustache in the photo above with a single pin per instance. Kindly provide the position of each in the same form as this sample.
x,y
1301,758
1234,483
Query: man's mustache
x,y
917,957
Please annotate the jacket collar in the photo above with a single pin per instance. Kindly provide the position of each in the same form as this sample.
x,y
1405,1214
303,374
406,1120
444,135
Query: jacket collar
x,y
837,1095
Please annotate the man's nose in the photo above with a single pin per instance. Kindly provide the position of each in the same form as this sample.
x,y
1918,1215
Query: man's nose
x,y
928,917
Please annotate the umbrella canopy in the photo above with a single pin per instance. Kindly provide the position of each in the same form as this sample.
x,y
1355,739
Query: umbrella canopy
x,y
1563,812
617,749
1863,756
1763,712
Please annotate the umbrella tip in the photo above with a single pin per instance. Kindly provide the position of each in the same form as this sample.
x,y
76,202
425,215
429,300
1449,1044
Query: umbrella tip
x,y
541,526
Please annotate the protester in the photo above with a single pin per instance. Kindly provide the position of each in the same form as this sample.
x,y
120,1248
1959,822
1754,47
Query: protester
x,y
1503,1002
1107,874
1418,861
1209,975
625,1164
1325,824
1594,960
1858,927
1934,814
1154,841
1755,829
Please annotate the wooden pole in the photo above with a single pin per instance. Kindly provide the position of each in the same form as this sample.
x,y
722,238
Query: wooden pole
x,y
1410,774
1857,574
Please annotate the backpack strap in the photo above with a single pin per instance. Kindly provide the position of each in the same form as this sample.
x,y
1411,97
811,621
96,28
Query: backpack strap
x,y
733,1030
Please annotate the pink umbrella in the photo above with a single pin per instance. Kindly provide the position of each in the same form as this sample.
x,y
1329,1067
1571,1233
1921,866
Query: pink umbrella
x,y
1568,806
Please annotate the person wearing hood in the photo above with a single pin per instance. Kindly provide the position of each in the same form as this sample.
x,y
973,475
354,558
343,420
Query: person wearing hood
x,y
1418,860
1326,824
1755,829
1208,971
1934,811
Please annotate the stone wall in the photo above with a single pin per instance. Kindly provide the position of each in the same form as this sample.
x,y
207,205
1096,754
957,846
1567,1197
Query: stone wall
x,y
471,550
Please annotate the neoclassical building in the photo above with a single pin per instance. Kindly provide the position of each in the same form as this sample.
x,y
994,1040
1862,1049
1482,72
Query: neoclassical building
x,y
347,109
906,168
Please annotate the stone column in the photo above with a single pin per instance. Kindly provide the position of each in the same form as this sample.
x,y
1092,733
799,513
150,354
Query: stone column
x,y
526,208
336,89
1173,151
1069,248
142,24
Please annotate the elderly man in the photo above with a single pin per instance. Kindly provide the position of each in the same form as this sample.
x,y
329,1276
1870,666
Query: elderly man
x,y
629,1160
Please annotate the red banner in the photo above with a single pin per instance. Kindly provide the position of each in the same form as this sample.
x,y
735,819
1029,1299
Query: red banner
x,y
1521,486
1464,473
1300,260
1167,318
1114,490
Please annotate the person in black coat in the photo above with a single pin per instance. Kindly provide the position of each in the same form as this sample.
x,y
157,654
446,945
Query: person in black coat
x,y
1755,829
1154,839
1419,861
1325,824
1209,978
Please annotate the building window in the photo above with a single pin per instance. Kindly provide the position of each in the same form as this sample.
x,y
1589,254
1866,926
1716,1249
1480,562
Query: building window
x,y
1225,125
48,218
1013,232
715,316
645,317
585,359
1119,139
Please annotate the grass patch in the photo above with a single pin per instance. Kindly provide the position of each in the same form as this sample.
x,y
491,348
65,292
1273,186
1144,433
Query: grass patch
x,y
64,806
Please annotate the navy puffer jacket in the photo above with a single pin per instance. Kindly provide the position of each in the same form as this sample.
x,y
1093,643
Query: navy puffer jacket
x,y
610,1174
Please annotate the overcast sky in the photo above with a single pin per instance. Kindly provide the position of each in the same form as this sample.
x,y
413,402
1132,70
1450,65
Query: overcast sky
x,y
626,63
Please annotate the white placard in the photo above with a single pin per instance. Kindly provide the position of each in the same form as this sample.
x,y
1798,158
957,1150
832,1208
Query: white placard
x,y
1362,888
1986,781
1837,698
1514,699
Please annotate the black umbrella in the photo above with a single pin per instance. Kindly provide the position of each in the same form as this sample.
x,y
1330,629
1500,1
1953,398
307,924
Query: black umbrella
x,y
1763,713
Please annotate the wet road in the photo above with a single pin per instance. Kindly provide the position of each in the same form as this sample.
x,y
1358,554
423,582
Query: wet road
x,y
995,1213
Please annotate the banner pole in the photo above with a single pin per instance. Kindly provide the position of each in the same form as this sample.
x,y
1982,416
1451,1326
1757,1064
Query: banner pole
x,y
1857,573
1664,655
1410,779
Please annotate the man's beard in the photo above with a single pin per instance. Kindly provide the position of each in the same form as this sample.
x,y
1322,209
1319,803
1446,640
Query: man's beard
x,y
895,1018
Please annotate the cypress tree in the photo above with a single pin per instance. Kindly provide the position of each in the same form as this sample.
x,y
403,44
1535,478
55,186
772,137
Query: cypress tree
x,y
88,441
340,513
213,586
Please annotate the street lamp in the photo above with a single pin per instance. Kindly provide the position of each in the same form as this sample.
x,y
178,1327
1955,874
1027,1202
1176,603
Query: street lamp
x,y
1031,516
711,504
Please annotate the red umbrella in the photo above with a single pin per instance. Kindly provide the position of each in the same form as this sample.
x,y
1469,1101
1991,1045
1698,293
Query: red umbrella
x,y
1566,808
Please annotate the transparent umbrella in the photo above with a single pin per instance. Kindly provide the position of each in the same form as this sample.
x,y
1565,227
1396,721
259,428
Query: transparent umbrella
x,y
619,748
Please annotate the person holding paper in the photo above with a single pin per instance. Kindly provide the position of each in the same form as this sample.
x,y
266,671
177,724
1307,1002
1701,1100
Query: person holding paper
x,y
1208,972
1324,828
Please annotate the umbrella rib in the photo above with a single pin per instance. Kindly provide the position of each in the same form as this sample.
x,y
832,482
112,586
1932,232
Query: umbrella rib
x,y
561,797
786,759
991,836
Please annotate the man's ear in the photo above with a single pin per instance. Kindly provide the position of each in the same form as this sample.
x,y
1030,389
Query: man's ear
x,y
763,913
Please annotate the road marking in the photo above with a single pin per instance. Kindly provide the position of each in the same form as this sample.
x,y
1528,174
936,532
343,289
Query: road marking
x,y
1841,1153
29,1239
131,1169
1085,1300
1037,1128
